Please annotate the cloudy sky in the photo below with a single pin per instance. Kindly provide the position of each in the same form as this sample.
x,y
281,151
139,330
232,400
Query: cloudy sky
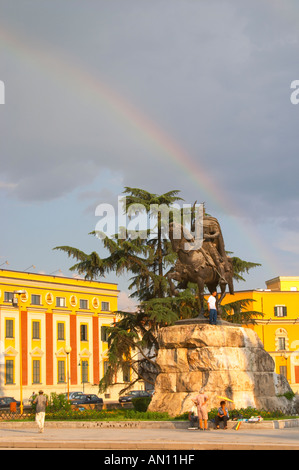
x,y
191,95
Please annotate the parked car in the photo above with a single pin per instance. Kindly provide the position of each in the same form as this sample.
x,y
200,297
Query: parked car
x,y
6,401
86,399
74,395
133,394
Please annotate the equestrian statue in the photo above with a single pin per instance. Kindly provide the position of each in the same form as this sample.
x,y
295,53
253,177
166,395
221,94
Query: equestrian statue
x,y
208,265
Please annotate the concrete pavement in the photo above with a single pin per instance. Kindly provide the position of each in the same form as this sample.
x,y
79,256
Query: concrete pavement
x,y
145,436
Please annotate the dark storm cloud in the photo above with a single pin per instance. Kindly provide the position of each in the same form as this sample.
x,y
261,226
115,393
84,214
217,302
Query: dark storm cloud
x,y
215,76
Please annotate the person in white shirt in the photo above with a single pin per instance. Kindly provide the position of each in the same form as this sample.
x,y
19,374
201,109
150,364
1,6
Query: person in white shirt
x,y
212,308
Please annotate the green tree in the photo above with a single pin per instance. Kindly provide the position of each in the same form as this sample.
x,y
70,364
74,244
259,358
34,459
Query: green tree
x,y
240,312
146,259
241,267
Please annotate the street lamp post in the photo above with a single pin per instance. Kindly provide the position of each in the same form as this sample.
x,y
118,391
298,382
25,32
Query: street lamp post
x,y
68,350
19,293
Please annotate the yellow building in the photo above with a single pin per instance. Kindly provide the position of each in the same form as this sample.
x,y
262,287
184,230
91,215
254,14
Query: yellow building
x,y
58,324
279,327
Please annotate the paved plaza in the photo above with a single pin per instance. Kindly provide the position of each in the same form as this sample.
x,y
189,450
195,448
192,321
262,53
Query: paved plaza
x,y
114,436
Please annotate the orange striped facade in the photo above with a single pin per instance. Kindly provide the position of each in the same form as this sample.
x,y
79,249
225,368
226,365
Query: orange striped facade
x,y
58,324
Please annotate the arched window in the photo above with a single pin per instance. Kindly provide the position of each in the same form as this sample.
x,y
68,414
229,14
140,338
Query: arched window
x,y
281,340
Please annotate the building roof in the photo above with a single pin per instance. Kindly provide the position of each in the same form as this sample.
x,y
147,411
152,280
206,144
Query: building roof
x,y
22,278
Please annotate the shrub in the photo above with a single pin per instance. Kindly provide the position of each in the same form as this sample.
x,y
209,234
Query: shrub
x,y
289,395
58,402
107,415
246,413
141,403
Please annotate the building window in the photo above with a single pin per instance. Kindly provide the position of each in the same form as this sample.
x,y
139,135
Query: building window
x,y
35,330
104,334
83,332
60,331
84,372
9,329
283,371
84,304
36,371
60,302
281,344
281,340
105,307
35,299
126,372
8,296
280,311
61,372
9,371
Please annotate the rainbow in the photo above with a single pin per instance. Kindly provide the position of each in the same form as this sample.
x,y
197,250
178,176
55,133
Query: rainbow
x,y
54,64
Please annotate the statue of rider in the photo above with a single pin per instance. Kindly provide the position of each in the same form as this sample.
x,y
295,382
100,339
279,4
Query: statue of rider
x,y
213,245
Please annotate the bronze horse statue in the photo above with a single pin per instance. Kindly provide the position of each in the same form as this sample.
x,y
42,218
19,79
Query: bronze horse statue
x,y
204,266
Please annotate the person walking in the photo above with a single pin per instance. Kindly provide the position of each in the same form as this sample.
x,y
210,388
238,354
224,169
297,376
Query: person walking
x,y
212,308
201,401
222,415
40,412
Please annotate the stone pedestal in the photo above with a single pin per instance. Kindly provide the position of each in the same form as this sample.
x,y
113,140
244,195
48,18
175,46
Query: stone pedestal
x,y
224,360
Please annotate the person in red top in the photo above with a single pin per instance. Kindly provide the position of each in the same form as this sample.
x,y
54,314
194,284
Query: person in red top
x,y
201,401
